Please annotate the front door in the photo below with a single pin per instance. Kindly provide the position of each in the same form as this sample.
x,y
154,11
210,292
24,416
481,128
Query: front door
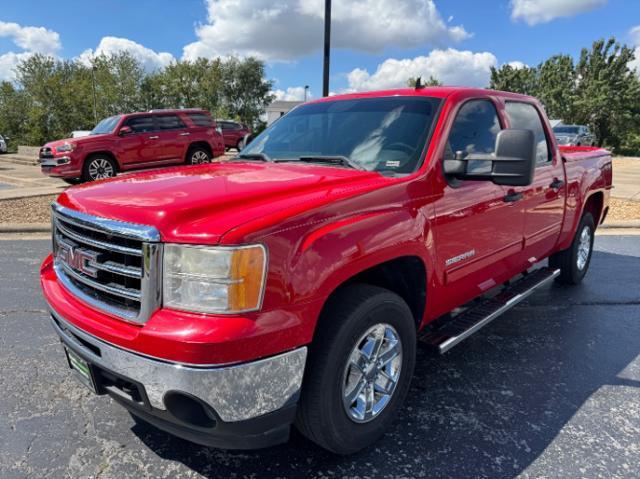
x,y
544,199
478,230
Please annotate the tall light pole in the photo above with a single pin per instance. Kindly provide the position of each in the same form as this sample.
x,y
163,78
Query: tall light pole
x,y
306,92
327,47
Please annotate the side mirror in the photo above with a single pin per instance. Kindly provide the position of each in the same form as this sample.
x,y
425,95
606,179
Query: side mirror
x,y
125,130
513,164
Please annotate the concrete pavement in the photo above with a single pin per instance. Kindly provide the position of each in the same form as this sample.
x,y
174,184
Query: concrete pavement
x,y
548,390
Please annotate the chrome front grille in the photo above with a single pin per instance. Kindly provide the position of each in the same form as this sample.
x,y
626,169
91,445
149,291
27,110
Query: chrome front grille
x,y
111,265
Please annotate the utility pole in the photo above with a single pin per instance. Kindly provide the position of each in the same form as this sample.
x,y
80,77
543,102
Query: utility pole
x,y
306,92
93,85
327,47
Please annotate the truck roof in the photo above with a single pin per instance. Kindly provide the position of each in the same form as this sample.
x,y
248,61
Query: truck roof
x,y
437,92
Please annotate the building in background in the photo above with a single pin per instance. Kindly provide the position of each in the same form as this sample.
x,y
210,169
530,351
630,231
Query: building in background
x,y
279,108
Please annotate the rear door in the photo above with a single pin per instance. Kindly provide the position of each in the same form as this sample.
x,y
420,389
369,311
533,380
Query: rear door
x,y
477,231
173,138
544,199
140,145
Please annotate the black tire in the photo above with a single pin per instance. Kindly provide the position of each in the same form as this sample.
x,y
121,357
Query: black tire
x,y
98,167
72,181
572,269
198,155
351,312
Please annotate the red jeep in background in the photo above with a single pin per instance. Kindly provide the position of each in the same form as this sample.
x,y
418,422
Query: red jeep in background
x,y
235,134
290,285
134,141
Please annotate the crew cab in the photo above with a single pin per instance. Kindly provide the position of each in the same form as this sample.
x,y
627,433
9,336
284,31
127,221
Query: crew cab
x,y
134,141
290,285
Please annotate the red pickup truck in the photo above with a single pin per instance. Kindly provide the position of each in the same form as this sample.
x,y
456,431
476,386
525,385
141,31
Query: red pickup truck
x,y
134,141
226,302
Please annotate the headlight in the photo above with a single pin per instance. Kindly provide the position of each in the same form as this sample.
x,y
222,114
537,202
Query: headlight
x,y
66,148
213,279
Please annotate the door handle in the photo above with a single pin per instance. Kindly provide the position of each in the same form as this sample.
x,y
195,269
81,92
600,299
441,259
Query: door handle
x,y
154,137
185,134
556,184
512,197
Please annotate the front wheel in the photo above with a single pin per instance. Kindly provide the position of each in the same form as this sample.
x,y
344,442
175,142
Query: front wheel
x,y
359,369
574,261
98,167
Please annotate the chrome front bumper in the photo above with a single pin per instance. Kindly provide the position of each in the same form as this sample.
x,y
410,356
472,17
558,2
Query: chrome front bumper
x,y
236,393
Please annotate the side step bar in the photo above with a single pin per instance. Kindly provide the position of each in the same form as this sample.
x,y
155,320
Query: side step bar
x,y
445,336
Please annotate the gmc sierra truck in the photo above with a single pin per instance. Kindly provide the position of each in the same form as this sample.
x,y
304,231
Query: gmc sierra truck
x,y
227,302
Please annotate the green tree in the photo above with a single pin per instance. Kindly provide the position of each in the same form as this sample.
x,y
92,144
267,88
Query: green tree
x,y
556,87
118,81
608,92
245,91
517,80
14,108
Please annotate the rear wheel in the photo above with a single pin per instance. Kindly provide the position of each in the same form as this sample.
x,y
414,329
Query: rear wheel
x,y
198,156
574,261
359,369
98,167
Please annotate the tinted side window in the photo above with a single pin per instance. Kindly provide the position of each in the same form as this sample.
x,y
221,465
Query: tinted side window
x,y
225,125
525,117
475,129
169,122
200,119
141,124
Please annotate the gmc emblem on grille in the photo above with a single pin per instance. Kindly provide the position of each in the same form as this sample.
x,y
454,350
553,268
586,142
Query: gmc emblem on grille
x,y
81,260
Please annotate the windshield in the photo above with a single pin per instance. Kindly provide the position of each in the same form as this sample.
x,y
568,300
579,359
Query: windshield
x,y
571,130
106,126
374,134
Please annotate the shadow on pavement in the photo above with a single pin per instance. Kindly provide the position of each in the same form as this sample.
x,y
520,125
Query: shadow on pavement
x,y
491,406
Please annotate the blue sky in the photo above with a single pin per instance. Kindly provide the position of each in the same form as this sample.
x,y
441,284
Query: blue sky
x,y
378,43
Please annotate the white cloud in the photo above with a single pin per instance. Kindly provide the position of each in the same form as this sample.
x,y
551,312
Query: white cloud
x,y
150,59
451,67
634,34
542,11
30,39
33,39
517,65
292,93
288,29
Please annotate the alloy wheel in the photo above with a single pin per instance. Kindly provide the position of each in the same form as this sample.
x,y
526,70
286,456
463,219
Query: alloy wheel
x,y
100,169
372,373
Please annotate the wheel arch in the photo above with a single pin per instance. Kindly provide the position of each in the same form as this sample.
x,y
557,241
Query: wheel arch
x,y
107,153
198,144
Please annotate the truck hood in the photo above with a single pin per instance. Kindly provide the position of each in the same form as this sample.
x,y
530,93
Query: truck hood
x,y
83,140
199,204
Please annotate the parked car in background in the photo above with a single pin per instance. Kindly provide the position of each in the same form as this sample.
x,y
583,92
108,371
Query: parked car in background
x,y
235,134
574,135
80,133
3,144
290,285
134,141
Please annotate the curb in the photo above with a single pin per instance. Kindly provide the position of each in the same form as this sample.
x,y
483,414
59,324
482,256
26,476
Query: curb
x,y
621,224
25,228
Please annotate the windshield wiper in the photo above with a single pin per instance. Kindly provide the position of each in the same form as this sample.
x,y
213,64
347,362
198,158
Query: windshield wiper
x,y
333,160
253,156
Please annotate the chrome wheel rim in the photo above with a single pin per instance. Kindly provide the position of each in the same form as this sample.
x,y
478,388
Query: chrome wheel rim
x,y
584,248
372,373
199,157
100,169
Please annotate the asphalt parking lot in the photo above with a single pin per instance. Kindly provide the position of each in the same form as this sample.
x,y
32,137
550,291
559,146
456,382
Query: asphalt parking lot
x,y
551,389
